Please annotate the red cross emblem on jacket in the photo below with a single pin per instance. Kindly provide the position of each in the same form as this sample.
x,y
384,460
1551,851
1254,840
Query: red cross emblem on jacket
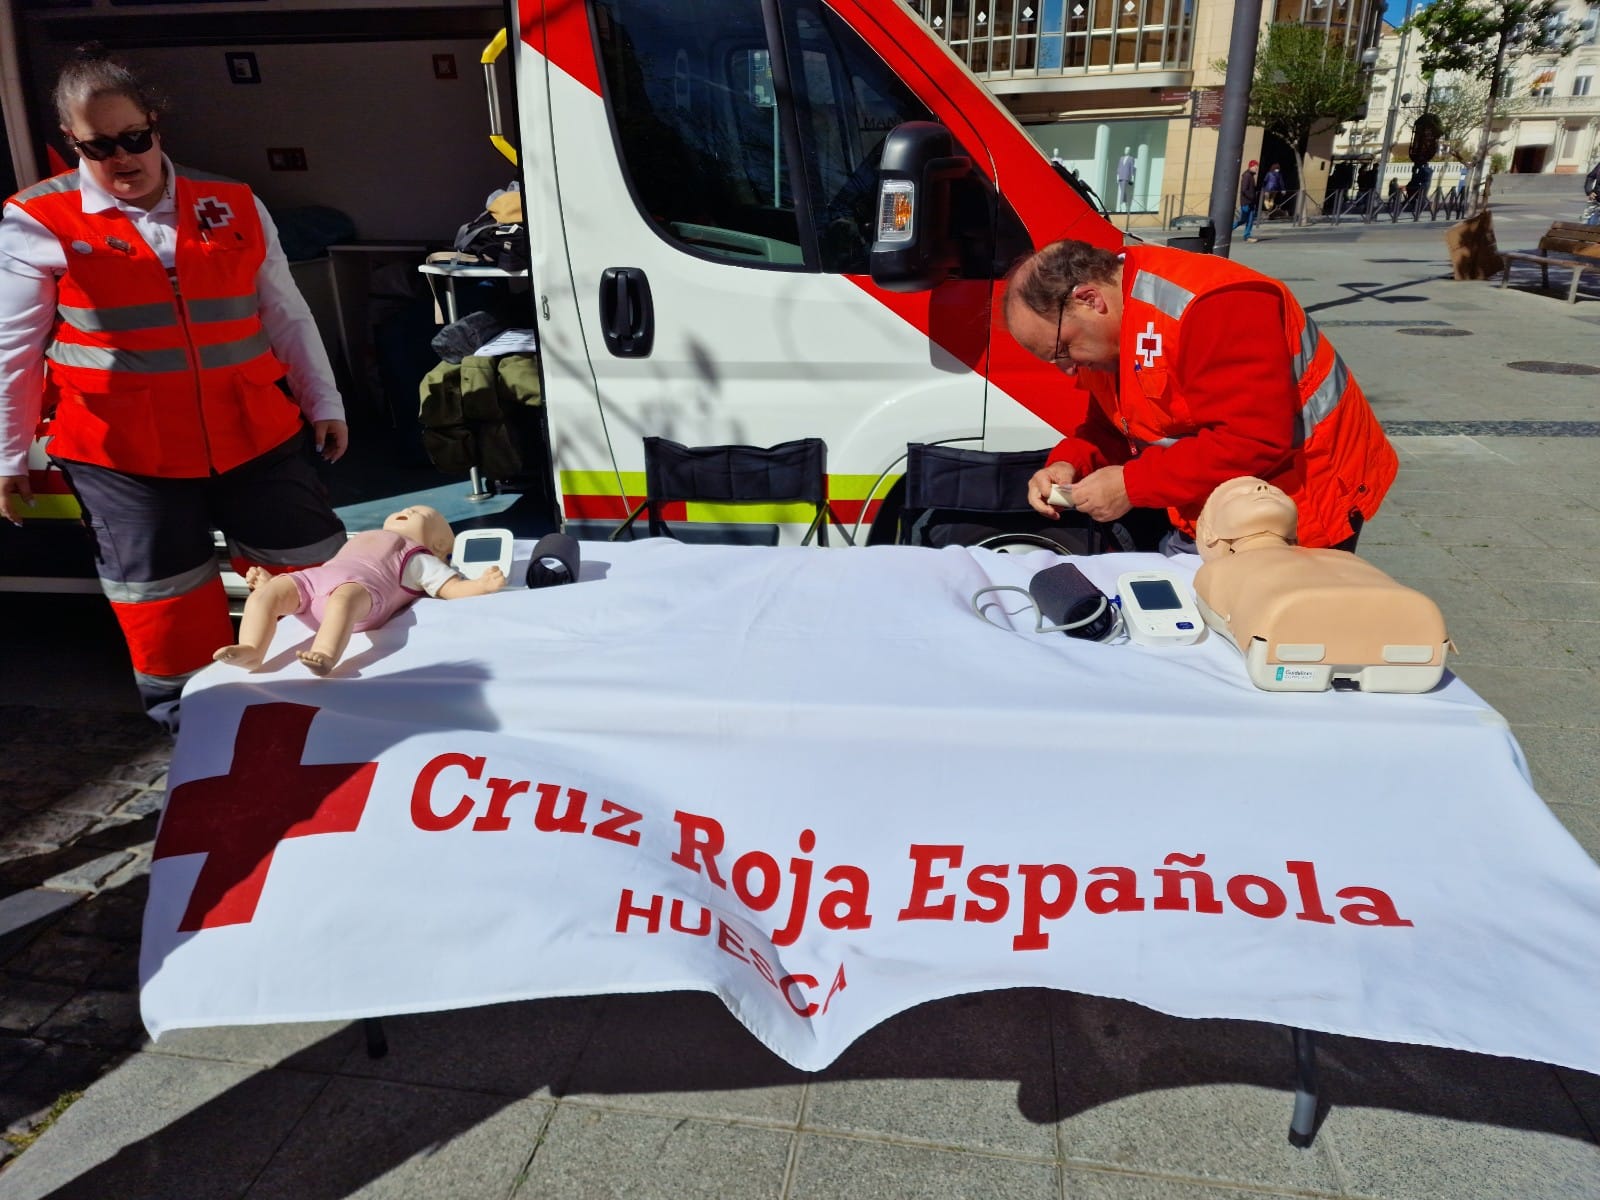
x,y
212,213
237,820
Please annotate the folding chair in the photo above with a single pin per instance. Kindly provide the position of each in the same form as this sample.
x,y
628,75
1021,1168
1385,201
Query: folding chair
x,y
789,473
960,497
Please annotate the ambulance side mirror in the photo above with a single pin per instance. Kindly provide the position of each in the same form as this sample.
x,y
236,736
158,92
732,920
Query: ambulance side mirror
x,y
913,247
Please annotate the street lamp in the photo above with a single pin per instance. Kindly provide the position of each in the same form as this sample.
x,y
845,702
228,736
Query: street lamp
x,y
1395,98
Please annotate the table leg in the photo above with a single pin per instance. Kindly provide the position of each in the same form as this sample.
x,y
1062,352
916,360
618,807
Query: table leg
x,y
1303,1124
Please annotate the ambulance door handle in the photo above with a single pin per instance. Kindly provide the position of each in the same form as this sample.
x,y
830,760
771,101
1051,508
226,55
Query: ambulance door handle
x,y
627,315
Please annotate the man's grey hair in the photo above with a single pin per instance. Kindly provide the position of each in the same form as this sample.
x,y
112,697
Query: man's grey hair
x,y
1044,281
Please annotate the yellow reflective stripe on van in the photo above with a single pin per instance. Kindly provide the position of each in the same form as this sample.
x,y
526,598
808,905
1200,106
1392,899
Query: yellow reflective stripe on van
x,y
60,507
847,493
599,483
859,487
750,514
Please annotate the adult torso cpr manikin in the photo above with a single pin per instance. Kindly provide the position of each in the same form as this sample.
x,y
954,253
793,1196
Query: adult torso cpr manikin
x,y
1305,618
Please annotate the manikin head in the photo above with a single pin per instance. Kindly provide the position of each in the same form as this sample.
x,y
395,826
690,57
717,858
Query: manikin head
x,y
419,523
1244,514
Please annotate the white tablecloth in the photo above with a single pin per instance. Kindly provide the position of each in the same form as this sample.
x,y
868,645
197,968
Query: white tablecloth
x,y
815,783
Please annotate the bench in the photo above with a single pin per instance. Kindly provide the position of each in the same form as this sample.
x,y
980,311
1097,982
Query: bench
x,y
1578,247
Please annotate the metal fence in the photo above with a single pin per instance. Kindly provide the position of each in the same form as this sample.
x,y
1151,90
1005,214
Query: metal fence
x,y
1389,198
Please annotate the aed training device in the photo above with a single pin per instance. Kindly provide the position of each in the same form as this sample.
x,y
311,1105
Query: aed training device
x,y
476,550
1157,609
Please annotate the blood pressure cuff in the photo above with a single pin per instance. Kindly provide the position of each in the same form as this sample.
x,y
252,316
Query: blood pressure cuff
x,y
555,560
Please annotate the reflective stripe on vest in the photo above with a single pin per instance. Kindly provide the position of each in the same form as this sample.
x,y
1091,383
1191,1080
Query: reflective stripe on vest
x,y
1322,401
157,362
116,320
1309,336
1161,293
157,316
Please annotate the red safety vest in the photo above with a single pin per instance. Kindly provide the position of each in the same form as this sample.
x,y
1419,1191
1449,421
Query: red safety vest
x,y
1341,461
158,375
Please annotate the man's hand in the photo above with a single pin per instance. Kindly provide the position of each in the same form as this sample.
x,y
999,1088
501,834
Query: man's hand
x,y
1043,480
16,493
332,439
1101,495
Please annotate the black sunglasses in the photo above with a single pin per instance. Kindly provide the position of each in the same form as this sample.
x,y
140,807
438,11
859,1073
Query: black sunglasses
x,y
134,141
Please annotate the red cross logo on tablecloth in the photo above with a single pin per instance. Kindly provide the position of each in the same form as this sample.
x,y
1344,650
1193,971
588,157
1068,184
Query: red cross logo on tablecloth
x,y
212,213
237,820
1148,345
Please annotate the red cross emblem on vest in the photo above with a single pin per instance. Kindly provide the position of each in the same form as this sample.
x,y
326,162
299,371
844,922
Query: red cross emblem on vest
x,y
212,213
1148,345
237,820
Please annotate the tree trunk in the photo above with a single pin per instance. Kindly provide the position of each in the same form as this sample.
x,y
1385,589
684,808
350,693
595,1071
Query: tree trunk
x,y
1477,181
1304,198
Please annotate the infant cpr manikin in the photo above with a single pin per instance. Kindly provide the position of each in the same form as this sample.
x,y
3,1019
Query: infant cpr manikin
x,y
1306,620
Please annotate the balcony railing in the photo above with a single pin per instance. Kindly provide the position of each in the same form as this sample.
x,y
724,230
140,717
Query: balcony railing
x,y
1018,39
1549,105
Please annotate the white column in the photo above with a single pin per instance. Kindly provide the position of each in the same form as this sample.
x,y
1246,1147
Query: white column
x,y
1141,177
1105,178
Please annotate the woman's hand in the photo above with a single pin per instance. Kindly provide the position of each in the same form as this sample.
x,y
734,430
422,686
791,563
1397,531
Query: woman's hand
x,y
332,439
16,493
1045,478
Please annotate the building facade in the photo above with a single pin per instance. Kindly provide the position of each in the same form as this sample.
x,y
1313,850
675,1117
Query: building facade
x,y
1547,120
1126,93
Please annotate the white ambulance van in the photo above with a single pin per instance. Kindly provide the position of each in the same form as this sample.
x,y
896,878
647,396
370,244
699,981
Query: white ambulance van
x,y
752,221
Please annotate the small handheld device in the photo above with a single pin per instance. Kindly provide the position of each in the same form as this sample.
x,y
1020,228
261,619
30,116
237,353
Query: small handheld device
x,y
1061,496
476,550
1158,610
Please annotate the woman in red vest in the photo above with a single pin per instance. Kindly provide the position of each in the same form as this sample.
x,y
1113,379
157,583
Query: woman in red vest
x,y
1198,371
147,312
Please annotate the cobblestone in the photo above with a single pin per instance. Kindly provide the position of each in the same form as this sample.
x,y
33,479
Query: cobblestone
x,y
92,875
25,1004
97,799
109,1019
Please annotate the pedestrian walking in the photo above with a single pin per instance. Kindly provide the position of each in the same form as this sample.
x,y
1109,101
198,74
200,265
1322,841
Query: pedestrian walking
x,y
1272,189
1591,192
1249,195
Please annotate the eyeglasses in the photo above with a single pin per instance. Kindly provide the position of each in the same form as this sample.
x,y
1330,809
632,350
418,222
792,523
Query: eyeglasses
x,y
1055,355
134,141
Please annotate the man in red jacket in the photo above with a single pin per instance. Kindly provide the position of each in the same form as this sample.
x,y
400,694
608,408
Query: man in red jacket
x,y
1198,371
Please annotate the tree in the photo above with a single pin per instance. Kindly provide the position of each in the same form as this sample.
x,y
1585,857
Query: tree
x,y
1306,81
1460,105
1476,36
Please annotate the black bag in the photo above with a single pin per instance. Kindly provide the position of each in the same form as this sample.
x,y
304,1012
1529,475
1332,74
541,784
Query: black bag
x,y
503,246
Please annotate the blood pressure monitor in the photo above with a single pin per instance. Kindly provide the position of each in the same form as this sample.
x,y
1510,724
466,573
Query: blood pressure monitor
x,y
476,550
1157,608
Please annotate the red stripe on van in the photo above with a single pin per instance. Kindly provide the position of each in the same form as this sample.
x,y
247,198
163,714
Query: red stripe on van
x,y
559,30
48,483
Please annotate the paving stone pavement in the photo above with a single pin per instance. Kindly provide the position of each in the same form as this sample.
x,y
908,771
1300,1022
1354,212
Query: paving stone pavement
x,y
1008,1094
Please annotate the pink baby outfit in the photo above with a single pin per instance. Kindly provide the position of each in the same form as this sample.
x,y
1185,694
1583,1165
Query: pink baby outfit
x,y
375,560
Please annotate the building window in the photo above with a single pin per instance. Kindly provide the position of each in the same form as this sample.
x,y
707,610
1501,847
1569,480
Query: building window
x,y
1020,38
1582,84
